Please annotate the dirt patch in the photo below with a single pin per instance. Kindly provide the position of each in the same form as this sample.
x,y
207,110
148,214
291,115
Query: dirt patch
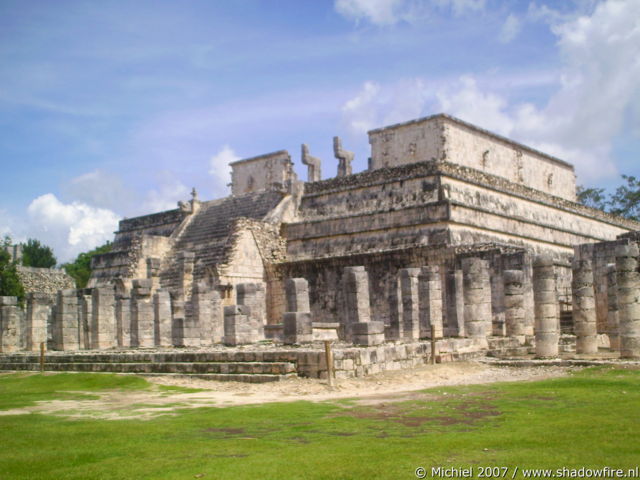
x,y
385,388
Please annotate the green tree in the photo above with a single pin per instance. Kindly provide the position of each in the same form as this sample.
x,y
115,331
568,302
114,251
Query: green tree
x,y
80,268
34,254
626,199
10,285
592,197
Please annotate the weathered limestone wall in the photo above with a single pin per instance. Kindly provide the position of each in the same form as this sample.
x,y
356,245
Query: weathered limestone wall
x,y
445,138
44,280
264,172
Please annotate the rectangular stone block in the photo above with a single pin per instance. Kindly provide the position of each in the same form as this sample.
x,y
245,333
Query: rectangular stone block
x,y
297,328
103,318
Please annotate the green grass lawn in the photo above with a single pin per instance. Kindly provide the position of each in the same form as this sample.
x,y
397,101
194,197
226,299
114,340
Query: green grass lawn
x,y
591,419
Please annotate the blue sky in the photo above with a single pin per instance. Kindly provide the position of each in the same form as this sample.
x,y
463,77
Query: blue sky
x,y
112,108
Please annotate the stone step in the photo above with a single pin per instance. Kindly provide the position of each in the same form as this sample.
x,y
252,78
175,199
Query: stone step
x,y
246,368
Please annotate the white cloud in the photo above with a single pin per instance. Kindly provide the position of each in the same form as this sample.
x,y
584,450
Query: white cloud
x,y
101,189
466,101
220,171
461,7
378,12
361,111
597,92
510,29
167,195
69,228
390,12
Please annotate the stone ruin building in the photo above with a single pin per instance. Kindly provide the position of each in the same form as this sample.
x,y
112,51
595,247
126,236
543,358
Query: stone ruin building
x,y
452,231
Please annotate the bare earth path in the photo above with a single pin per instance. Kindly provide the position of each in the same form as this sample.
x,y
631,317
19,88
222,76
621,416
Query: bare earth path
x,y
386,386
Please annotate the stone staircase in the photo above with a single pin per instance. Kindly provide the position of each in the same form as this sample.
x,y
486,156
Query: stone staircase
x,y
251,367
207,233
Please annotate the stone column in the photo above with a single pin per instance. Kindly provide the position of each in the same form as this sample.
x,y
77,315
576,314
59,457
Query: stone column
x,y
142,331
628,279
410,303
477,297
237,326
38,312
396,331
103,318
162,324
67,331
206,305
297,327
12,325
153,272
612,308
514,304
359,328
547,321
185,332
123,320
454,296
251,295
84,318
356,294
584,306
186,262
430,299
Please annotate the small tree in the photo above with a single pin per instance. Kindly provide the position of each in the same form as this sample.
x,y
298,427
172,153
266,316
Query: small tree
x,y
10,285
80,268
626,200
34,254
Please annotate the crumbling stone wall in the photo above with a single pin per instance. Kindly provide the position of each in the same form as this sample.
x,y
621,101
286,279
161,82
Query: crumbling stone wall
x,y
44,280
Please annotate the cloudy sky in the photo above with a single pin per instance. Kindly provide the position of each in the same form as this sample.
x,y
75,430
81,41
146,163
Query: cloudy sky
x,y
112,109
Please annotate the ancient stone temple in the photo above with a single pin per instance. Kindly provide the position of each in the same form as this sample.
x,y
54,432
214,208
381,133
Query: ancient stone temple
x,y
450,227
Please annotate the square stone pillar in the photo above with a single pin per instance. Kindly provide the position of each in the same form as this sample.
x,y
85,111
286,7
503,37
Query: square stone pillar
x,y
185,332
297,326
454,304
410,303
358,309
186,261
38,313
123,320
251,295
85,309
430,300
612,308
477,298
237,325
103,318
153,272
206,306
142,328
12,325
514,313
67,331
162,324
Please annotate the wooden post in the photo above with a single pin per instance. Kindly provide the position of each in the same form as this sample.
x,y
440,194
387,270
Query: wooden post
x,y
433,344
41,357
328,355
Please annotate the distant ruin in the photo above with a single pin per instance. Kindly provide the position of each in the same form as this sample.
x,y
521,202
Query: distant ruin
x,y
452,229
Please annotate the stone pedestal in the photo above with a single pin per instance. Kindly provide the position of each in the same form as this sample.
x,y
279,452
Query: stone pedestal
x,y
584,307
368,333
297,327
547,321
237,325
628,279
477,298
